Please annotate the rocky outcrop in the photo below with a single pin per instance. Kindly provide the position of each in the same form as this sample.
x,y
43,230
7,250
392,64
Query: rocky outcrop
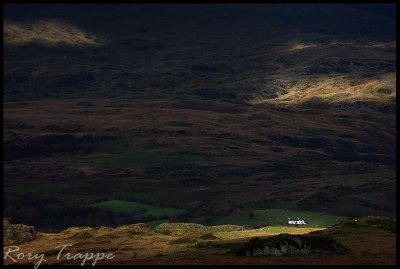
x,y
139,228
361,225
16,234
88,233
184,228
288,245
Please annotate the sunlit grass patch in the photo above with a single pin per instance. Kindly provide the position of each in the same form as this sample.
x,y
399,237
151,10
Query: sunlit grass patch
x,y
146,197
264,231
49,33
279,217
314,219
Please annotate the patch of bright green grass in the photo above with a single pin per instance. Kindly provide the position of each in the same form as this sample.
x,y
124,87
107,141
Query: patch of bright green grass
x,y
147,197
273,229
314,219
140,208
253,232
279,217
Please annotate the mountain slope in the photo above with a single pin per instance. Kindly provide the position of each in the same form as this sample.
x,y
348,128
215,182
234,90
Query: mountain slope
x,y
198,113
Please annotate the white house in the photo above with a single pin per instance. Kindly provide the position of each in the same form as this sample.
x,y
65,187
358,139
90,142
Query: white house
x,y
297,222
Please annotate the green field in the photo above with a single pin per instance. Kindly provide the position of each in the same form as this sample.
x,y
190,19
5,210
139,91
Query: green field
x,y
278,217
146,197
264,231
140,208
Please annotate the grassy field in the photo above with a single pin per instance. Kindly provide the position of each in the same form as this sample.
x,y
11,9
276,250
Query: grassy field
x,y
141,208
264,231
279,217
